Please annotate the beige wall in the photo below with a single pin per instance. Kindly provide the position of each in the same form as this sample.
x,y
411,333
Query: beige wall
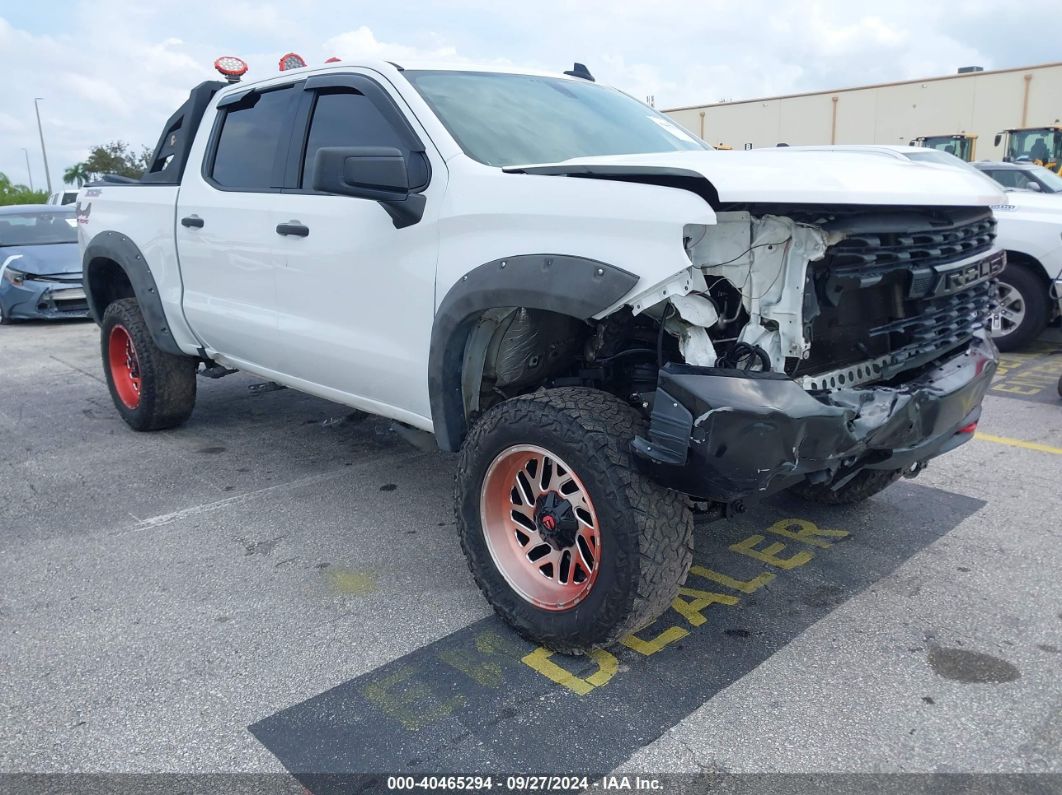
x,y
982,103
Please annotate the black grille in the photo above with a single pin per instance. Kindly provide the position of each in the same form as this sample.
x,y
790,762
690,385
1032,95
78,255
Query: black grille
x,y
908,285
944,323
73,278
877,252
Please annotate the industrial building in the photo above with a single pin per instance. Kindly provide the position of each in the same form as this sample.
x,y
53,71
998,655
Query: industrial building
x,y
973,102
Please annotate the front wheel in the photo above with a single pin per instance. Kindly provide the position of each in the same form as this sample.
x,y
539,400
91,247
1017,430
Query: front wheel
x,y
1022,309
150,388
570,544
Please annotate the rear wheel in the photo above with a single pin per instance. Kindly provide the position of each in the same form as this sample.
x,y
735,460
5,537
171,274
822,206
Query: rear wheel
x,y
150,388
863,486
570,544
1022,308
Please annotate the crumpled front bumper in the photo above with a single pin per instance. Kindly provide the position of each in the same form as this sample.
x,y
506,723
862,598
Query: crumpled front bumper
x,y
40,298
724,435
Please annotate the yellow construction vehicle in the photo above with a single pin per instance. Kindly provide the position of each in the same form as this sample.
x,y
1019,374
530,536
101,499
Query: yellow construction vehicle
x,y
962,145
1039,145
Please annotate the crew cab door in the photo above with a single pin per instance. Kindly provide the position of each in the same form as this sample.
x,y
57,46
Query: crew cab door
x,y
356,292
226,220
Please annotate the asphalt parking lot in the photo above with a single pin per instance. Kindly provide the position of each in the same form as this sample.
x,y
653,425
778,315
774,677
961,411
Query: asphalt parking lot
x,y
277,586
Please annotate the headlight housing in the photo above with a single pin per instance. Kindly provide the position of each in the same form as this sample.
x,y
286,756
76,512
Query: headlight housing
x,y
16,277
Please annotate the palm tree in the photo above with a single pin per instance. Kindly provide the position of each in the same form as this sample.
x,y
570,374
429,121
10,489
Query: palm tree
x,y
76,174
19,194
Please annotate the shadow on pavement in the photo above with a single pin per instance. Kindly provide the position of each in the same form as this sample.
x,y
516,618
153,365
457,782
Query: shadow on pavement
x,y
484,700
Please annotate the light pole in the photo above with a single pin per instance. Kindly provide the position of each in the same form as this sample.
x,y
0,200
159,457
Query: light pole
x,y
28,169
44,152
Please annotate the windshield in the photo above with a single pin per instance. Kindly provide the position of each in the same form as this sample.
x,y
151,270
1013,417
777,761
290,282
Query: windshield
x,y
510,119
952,145
944,159
1033,145
1049,180
937,156
37,228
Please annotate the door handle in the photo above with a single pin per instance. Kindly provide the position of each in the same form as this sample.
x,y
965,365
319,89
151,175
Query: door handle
x,y
192,220
293,228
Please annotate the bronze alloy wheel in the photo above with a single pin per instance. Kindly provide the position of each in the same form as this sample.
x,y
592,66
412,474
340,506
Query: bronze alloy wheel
x,y
540,527
571,544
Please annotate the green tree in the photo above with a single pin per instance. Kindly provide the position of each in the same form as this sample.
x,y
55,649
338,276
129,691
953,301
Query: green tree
x,y
11,193
117,157
77,174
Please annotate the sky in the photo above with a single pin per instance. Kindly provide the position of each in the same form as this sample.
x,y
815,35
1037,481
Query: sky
x,y
116,69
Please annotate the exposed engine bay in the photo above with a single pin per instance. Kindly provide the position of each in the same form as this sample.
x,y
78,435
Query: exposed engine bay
x,y
830,296
808,305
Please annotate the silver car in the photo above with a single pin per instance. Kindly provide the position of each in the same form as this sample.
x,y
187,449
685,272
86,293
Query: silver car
x,y
40,268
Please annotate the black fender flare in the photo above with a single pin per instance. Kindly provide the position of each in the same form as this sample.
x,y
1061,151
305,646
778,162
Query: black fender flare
x,y
574,286
120,249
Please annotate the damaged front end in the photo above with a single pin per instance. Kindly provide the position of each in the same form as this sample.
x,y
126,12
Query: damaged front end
x,y
818,342
725,435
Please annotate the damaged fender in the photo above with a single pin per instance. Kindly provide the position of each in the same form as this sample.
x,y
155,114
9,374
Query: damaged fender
x,y
765,259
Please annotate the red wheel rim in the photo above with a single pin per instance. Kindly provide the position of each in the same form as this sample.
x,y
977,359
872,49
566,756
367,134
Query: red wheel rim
x,y
540,527
125,366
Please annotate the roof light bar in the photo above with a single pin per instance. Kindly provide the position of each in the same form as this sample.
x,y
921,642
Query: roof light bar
x,y
291,60
231,67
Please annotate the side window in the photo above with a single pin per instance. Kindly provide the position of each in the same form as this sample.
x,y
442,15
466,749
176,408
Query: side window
x,y
1020,180
346,117
1005,178
251,132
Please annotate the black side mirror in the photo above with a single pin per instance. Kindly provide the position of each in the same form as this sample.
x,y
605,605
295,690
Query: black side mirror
x,y
999,137
380,173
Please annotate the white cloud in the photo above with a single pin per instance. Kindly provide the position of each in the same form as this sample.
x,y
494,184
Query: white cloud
x,y
362,43
121,66
103,95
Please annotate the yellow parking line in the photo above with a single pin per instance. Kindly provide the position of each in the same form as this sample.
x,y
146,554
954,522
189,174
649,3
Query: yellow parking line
x,y
1043,448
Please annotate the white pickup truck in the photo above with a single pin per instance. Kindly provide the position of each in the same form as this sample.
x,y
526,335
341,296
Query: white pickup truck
x,y
613,323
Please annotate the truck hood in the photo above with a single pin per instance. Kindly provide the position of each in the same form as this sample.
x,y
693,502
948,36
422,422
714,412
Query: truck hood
x,y
800,177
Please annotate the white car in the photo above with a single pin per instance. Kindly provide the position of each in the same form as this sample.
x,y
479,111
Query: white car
x,y
1021,176
1029,229
67,196
632,326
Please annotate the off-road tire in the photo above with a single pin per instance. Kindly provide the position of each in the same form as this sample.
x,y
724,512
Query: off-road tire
x,y
1034,294
863,486
646,530
167,382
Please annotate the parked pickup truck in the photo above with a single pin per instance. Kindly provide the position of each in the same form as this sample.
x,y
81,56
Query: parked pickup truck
x,y
612,323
